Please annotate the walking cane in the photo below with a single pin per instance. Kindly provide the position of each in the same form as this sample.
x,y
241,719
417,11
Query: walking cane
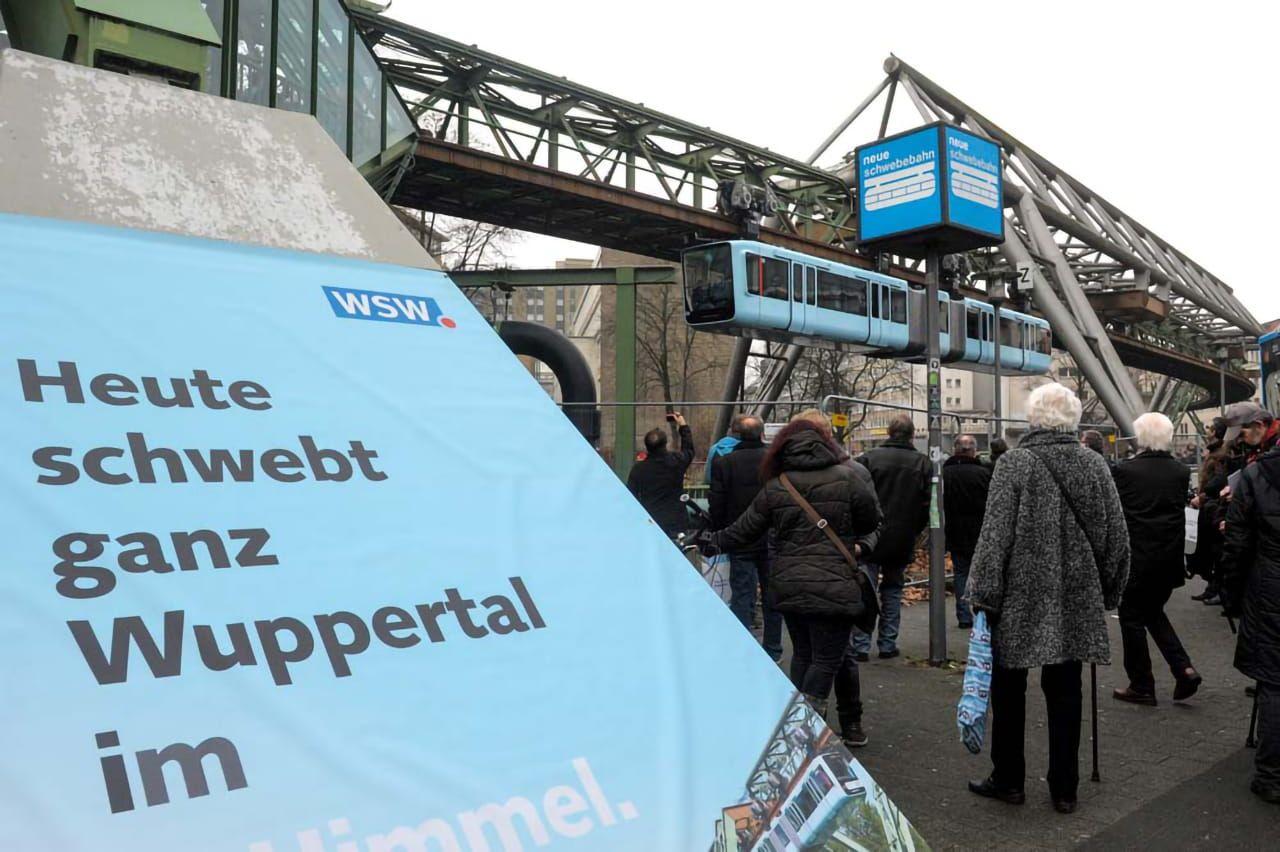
x,y
1252,740
1093,675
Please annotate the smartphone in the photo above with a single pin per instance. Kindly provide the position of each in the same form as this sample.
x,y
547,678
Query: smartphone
x,y
671,418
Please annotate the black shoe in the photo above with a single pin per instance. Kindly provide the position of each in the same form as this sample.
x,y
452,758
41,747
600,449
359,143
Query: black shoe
x,y
1251,691
1187,685
889,655
1215,600
1132,696
1064,806
853,735
861,656
965,625
1266,792
988,790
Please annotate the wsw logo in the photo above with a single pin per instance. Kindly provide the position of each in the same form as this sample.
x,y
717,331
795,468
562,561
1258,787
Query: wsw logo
x,y
386,307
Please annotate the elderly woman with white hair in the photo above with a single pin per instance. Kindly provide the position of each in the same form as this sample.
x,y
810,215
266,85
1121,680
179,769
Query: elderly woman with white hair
x,y
1052,557
1153,488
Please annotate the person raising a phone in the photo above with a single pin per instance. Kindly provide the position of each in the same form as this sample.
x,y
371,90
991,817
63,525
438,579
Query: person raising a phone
x,y
658,481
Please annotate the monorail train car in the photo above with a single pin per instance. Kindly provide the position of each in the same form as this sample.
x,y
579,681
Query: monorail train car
x,y
752,289
805,820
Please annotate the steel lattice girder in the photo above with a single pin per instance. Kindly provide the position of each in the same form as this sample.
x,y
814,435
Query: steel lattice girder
x,y
461,92
1080,217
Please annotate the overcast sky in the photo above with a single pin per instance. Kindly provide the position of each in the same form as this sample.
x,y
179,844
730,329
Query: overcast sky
x,y
1164,109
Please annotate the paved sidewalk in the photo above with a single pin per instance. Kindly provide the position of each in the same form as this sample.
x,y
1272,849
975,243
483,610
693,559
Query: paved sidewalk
x,y
1146,753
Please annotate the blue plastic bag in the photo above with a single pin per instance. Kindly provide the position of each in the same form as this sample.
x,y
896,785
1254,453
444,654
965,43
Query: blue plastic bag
x,y
971,714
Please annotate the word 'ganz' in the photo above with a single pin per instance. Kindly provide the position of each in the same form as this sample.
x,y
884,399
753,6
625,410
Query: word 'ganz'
x,y
83,574
116,389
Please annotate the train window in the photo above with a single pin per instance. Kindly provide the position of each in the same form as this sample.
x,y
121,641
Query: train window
x,y
797,283
794,817
897,305
708,283
838,293
811,278
821,779
776,273
875,300
1044,341
1008,332
944,318
974,323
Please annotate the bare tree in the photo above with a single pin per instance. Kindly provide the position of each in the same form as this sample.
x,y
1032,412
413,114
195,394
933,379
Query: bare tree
x,y
671,356
820,372
460,244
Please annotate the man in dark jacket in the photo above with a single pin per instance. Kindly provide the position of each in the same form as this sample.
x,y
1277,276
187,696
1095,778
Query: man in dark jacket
x,y
658,481
1153,490
901,474
1251,574
735,482
965,482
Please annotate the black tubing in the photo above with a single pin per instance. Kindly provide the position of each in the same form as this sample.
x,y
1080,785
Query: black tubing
x,y
577,384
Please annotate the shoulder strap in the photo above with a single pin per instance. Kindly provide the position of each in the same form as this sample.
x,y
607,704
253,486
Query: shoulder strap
x,y
818,521
1075,512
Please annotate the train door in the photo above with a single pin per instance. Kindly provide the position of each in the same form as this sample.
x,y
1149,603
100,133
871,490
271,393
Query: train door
x,y
881,329
797,321
988,337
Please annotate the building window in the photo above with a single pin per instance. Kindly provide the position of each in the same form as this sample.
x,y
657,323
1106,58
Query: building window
x,y
293,55
331,68
253,51
213,70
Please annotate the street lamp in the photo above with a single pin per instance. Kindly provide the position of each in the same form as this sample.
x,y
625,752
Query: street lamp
x,y
997,294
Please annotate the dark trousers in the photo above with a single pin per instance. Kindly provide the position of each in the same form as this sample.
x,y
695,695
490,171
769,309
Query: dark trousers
x,y
1266,762
819,645
747,573
1142,612
888,580
1062,696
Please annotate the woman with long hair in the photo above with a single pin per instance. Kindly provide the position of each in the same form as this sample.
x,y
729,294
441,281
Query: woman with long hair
x,y
813,585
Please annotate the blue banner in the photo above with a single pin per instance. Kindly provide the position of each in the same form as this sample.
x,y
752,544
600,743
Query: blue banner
x,y
278,581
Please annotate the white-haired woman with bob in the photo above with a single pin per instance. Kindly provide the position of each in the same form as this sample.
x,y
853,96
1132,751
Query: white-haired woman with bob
x,y
1153,490
1052,557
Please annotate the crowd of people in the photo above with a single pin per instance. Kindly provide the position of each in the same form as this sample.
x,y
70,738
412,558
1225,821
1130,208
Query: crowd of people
x,y
1044,539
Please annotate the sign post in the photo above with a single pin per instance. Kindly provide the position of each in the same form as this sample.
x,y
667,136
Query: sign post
x,y
937,539
930,192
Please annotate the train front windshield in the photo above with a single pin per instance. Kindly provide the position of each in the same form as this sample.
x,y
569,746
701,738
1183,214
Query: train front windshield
x,y
708,284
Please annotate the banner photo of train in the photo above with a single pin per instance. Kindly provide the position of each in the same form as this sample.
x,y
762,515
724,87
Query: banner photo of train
x,y
807,793
751,289
278,578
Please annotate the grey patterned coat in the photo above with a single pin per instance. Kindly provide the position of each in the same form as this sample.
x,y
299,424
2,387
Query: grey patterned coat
x,y
1033,570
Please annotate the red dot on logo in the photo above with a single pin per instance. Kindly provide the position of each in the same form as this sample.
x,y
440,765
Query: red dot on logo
x,y
448,323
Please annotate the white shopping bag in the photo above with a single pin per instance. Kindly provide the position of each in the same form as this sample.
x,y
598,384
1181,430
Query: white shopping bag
x,y
1193,520
715,570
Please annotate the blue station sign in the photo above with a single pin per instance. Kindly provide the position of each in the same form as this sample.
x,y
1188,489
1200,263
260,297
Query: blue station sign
x,y
933,188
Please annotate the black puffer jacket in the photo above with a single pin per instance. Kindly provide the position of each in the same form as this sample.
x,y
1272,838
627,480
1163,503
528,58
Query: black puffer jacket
x,y
1153,490
901,473
809,576
1251,567
965,482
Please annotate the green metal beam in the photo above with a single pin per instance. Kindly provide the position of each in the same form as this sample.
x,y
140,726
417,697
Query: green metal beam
x,y
624,370
592,277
